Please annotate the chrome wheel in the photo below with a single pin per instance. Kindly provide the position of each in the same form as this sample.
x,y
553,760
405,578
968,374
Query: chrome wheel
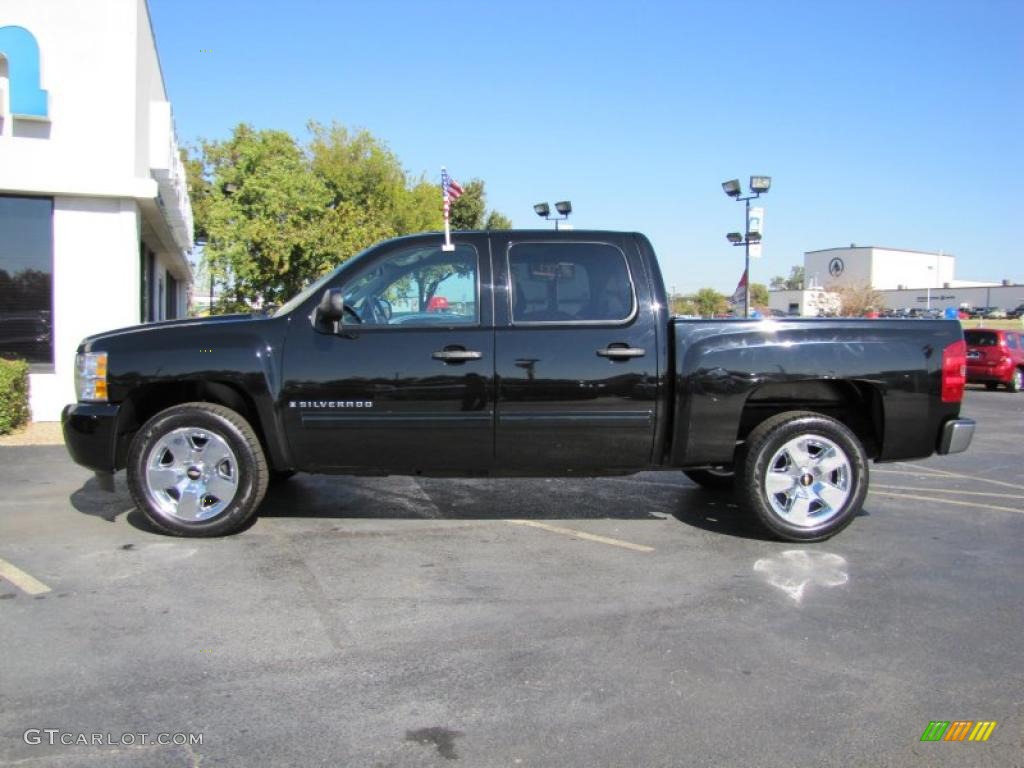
x,y
191,474
808,481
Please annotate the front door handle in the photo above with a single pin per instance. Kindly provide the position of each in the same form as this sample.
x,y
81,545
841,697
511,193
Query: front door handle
x,y
621,353
457,355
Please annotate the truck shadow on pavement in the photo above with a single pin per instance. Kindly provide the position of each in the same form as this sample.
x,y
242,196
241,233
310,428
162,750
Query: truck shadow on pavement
x,y
563,499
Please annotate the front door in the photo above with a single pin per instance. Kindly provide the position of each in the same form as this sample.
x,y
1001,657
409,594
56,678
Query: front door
x,y
576,354
407,383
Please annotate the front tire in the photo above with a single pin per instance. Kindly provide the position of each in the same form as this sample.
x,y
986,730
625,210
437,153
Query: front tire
x,y
804,476
1016,382
197,469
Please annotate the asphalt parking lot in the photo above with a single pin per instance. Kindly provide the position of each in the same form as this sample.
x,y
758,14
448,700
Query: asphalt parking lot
x,y
613,622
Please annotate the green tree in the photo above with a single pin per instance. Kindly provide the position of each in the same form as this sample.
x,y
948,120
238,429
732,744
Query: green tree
x,y
683,305
469,211
275,214
419,208
271,224
497,220
794,282
360,170
709,302
758,295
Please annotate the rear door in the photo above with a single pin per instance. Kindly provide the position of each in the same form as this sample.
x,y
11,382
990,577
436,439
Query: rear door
x,y
575,351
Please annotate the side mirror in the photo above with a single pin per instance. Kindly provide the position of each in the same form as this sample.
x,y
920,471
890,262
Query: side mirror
x,y
329,312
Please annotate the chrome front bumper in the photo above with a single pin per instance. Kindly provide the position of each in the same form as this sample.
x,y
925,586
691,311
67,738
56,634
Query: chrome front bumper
x,y
956,435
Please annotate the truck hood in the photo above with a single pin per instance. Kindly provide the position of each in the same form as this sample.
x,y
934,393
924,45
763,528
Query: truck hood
x,y
185,322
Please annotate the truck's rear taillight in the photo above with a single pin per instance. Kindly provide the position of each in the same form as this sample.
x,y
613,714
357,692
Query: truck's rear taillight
x,y
954,372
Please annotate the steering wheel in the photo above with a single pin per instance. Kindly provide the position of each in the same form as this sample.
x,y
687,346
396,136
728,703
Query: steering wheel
x,y
352,311
379,310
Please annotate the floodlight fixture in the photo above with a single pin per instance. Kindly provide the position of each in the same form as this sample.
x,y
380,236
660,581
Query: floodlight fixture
x,y
754,237
760,184
732,188
734,237
564,208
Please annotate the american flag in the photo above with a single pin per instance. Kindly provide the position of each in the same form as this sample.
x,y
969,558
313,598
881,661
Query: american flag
x,y
451,189
740,293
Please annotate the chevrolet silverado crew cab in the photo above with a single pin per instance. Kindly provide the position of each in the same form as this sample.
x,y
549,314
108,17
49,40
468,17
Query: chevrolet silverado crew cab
x,y
513,353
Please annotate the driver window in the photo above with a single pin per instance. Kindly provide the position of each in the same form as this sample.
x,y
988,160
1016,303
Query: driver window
x,y
418,286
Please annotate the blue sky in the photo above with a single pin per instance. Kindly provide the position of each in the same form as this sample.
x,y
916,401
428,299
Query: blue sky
x,y
894,123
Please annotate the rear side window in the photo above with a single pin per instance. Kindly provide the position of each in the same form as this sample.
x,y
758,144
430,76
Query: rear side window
x,y
981,339
569,283
1011,340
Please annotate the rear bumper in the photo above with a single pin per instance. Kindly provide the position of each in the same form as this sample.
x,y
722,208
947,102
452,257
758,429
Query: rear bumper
x,y
956,435
979,374
90,431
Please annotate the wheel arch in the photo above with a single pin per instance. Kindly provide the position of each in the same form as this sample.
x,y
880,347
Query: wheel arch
x,y
856,404
147,400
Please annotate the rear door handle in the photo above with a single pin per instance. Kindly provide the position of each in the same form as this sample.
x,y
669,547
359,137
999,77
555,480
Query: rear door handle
x,y
457,355
621,353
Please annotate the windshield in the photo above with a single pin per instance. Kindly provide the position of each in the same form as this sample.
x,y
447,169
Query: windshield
x,y
315,286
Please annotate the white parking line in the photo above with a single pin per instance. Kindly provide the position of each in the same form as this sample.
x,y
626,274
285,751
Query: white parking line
x,y
975,505
1010,496
917,470
582,535
22,580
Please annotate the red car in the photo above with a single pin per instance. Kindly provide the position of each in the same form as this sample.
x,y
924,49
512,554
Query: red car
x,y
995,357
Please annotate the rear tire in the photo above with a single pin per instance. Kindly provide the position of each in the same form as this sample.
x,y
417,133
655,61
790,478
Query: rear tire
x,y
804,476
197,469
713,479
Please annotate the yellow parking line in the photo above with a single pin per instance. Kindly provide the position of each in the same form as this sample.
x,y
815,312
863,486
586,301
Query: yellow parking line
x,y
22,580
948,501
582,535
947,473
1010,496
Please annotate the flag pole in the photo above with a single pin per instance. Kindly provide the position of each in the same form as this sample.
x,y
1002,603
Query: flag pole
x,y
447,228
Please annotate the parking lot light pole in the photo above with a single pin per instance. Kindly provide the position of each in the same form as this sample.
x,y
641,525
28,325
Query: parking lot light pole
x,y
758,186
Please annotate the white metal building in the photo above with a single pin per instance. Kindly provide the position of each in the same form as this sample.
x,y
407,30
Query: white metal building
x,y
881,268
95,221
904,279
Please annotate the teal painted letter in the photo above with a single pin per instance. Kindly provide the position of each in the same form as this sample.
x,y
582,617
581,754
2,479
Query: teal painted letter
x,y
20,49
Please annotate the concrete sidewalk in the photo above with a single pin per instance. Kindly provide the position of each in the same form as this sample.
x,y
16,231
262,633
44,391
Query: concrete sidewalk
x,y
35,433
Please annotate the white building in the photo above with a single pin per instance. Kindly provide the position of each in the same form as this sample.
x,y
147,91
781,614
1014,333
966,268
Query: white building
x,y
904,279
881,268
95,221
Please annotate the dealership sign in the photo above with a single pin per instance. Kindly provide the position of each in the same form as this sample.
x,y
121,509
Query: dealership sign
x,y
28,99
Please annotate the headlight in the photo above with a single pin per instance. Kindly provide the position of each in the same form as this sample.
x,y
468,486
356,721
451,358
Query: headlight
x,y
91,376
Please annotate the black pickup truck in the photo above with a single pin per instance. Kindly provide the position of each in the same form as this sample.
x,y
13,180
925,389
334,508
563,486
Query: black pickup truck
x,y
511,353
